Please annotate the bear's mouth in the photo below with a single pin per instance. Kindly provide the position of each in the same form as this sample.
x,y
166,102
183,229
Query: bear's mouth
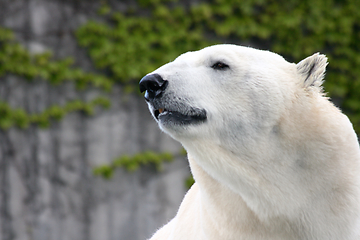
x,y
169,116
158,112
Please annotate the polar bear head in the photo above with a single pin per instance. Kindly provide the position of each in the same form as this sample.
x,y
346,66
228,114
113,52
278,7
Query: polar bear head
x,y
226,92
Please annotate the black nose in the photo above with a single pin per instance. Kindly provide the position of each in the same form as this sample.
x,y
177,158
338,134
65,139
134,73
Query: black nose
x,y
154,85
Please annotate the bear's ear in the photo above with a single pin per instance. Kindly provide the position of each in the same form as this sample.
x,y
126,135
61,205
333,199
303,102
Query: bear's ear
x,y
312,69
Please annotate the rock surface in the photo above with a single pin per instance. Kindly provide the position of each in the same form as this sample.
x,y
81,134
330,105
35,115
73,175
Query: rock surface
x,y
47,188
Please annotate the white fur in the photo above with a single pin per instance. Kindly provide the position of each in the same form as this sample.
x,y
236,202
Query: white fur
x,y
274,160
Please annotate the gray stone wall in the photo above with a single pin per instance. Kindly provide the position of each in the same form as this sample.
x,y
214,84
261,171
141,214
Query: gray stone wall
x,y
47,189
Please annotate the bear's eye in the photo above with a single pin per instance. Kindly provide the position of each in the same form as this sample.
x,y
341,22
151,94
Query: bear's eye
x,y
220,66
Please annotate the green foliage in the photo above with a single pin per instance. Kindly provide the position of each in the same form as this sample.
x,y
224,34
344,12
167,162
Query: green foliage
x,y
19,118
6,35
132,45
189,182
15,59
132,163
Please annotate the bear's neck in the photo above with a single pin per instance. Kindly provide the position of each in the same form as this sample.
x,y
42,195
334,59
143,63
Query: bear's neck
x,y
225,214
248,176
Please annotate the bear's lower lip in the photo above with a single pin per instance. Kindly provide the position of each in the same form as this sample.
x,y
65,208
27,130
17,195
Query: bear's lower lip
x,y
173,117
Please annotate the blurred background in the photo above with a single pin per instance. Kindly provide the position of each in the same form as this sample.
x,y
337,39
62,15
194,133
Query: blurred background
x,y
80,156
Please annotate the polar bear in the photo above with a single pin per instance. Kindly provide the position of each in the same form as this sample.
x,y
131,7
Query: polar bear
x,y
271,156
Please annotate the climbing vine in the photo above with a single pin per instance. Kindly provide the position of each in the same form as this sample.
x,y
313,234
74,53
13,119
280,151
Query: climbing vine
x,y
21,119
16,60
132,163
132,46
